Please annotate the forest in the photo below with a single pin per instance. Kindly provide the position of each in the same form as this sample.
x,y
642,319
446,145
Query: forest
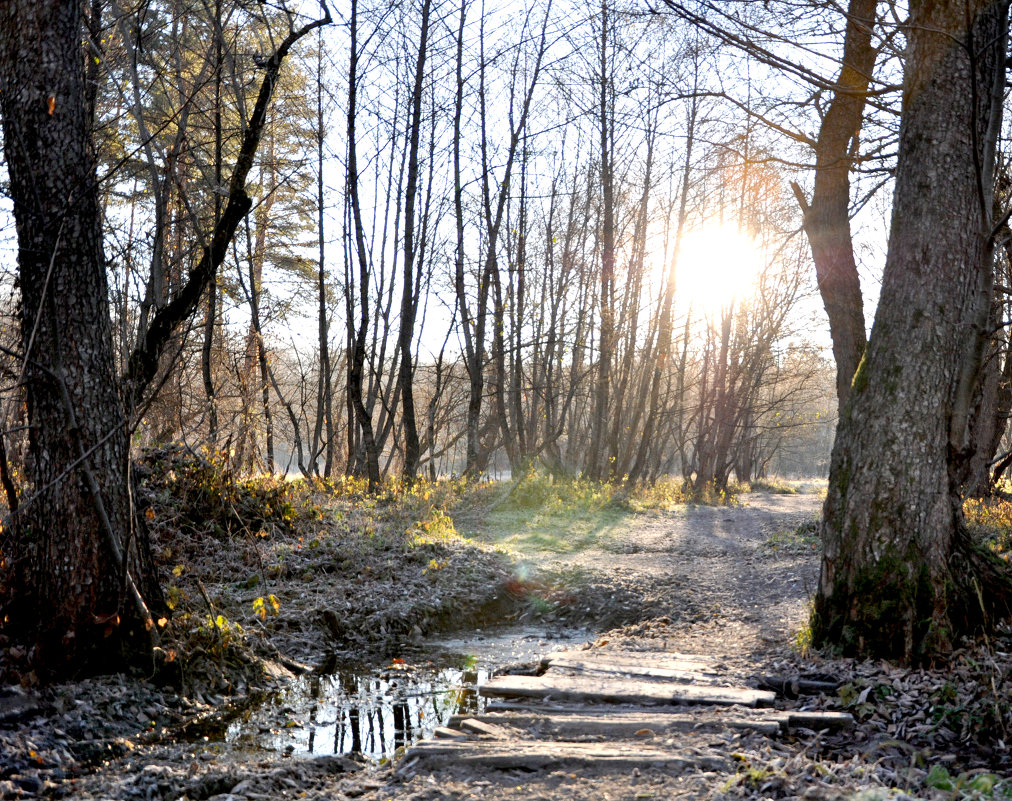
x,y
331,328
424,283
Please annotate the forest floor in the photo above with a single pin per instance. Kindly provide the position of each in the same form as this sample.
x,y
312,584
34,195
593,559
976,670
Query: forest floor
x,y
306,588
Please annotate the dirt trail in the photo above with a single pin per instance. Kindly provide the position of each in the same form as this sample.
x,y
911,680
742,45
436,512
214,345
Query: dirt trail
x,y
714,591
734,580
725,563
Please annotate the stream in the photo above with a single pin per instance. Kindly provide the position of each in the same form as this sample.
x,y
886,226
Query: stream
x,y
375,710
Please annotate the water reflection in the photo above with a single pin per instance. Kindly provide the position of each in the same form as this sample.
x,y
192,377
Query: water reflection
x,y
368,713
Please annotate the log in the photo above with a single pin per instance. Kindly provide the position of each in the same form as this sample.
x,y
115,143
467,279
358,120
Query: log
x,y
480,726
819,720
617,690
793,686
16,707
593,723
527,755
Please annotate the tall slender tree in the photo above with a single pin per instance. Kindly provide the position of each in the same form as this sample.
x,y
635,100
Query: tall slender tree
x,y
409,296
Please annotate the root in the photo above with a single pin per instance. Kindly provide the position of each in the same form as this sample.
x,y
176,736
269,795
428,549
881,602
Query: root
x,y
982,586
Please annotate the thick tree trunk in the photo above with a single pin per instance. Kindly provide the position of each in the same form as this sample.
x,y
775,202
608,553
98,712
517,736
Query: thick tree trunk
x,y
77,579
894,582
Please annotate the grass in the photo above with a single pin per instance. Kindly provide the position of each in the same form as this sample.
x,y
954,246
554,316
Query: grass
x,y
774,484
798,540
199,496
551,530
541,513
991,518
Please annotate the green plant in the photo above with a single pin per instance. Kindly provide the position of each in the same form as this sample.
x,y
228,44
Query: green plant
x,y
802,539
773,484
804,637
970,785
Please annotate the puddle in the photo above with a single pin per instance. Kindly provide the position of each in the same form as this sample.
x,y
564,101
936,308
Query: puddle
x,y
497,648
375,712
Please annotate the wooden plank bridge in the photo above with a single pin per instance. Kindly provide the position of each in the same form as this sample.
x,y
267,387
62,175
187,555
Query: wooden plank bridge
x,y
626,709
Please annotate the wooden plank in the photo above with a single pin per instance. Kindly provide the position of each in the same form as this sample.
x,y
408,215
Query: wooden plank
x,y
663,660
530,755
480,726
819,720
639,671
617,690
446,733
524,705
590,723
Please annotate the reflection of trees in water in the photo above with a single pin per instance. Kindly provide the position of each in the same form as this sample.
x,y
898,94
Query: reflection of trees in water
x,y
314,694
377,715
402,723
348,683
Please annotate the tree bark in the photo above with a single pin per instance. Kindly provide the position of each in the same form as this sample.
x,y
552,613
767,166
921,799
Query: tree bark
x,y
898,573
82,588
358,339
827,219
212,286
80,562
325,394
599,461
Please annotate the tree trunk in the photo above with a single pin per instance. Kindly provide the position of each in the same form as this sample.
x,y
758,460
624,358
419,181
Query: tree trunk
x,y
827,220
210,319
409,300
325,394
360,423
898,574
77,582
990,414
599,463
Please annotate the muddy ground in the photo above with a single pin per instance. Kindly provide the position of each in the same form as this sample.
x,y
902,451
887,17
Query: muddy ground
x,y
731,582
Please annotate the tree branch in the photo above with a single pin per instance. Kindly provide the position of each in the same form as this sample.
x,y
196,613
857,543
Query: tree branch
x,y
143,363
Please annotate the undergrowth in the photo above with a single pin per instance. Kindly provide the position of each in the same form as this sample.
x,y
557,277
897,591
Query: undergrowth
x,y
800,539
246,557
206,495
991,520
773,484
313,565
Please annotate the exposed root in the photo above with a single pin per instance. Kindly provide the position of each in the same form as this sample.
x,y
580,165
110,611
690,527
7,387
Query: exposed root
x,y
982,586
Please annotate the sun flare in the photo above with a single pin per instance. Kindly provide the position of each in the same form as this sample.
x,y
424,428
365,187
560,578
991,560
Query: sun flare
x,y
717,267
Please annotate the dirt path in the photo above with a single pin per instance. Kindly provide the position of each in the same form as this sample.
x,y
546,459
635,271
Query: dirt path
x,y
725,588
734,583
741,571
